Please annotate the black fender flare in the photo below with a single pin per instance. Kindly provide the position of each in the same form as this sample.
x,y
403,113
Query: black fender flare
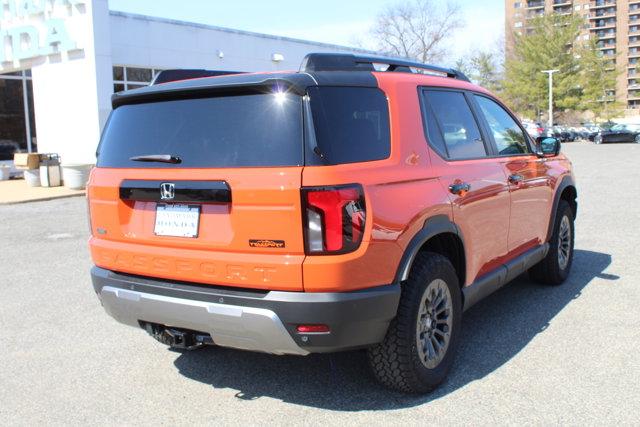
x,y
433,226
567,181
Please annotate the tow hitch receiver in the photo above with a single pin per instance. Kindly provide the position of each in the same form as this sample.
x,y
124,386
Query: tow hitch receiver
x,y
177,338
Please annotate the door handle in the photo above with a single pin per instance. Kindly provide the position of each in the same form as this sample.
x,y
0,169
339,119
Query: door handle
x,y
516,178
459,188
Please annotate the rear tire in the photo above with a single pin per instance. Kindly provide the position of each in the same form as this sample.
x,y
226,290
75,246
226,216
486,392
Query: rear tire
x,y
418,350
555,267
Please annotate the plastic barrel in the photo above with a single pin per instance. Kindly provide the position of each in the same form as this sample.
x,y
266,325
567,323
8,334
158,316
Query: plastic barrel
x,y
76,176
32,176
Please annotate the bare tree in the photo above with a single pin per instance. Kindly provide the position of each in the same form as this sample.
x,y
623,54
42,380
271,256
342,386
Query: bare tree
x,y
416,29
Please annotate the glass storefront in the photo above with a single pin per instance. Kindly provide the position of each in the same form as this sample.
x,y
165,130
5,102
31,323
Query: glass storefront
x,y
126,78
17,120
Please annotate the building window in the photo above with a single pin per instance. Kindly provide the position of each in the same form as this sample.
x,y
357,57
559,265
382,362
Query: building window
x,y
17,119
518,25
127,78
517,5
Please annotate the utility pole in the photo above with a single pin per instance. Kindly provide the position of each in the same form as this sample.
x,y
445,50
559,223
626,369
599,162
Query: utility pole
x,y
550,74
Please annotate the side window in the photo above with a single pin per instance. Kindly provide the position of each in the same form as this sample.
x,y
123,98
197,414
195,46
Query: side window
x,y
451,122
508,135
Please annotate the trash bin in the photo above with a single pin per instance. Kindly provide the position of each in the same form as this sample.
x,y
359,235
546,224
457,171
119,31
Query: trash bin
x,y
32,176
50,170
76,175
5,172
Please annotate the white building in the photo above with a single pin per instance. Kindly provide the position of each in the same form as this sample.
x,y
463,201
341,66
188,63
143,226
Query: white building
x,y
61,60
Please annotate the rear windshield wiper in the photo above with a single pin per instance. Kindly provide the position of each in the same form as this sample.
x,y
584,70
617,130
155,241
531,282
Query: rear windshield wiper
x,y
160,158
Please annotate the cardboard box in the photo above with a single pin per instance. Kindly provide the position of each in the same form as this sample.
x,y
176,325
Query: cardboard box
x,y
26,160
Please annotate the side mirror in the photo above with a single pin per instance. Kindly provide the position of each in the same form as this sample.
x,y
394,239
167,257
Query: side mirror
x,y
547,146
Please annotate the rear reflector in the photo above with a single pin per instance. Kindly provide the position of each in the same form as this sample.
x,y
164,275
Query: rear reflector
x,y
310,329
334,219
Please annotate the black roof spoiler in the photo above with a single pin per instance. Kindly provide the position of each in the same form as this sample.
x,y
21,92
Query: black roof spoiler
x,y
349,62
167,76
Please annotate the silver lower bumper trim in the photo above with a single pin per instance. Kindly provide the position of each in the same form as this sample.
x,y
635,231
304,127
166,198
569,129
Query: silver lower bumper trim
x,y
245,328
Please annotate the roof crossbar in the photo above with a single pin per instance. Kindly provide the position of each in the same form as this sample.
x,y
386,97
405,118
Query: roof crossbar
x,y
350,62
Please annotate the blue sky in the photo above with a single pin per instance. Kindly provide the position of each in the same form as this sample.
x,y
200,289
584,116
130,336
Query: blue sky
x,y
330,21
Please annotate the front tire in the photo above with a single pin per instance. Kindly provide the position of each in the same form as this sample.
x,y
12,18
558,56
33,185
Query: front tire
x,y
555,267
598,139
418,350
637,139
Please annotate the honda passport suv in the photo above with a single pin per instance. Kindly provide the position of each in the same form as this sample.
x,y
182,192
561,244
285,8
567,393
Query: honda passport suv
x,y
360,203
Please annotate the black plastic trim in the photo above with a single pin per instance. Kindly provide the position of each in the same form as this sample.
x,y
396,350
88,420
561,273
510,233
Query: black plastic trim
x,y
567,181
438,224
166,76
349,62
356,319
491,282
185,191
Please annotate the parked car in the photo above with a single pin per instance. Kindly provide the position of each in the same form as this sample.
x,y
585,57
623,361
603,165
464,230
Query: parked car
x,y
592,131
535,130
619,133
323,210
564,133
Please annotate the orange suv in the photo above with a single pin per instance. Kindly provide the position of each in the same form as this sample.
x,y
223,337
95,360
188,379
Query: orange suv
x,y
361,202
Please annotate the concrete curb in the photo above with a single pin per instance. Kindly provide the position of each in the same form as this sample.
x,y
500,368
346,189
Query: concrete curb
x,y
44,199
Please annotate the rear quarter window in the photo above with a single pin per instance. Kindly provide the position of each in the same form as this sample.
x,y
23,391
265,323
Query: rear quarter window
x,y
351,124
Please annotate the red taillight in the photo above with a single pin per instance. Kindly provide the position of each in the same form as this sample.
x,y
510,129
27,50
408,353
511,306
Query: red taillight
x,y
313,329
334,219
540,130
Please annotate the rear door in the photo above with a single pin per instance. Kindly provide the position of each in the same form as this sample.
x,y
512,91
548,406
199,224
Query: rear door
x,y
527,177
475,181
223,205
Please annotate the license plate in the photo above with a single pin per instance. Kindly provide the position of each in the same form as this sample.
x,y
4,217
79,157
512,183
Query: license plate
x,y
177,220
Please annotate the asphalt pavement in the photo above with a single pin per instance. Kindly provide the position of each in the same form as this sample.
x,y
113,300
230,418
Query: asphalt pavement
x,y
530,354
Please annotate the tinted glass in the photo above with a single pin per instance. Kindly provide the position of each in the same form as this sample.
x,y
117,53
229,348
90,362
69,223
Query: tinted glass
x,y
138,74
508,136
245,130
456,124
118,73
434,133
13,134
351,124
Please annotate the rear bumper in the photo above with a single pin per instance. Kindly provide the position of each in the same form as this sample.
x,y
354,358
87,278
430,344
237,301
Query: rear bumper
x,y
251,320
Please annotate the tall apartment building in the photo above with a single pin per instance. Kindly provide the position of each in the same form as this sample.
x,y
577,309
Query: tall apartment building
x,y
615,24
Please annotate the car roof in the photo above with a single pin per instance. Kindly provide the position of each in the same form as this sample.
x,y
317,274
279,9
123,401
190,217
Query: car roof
x,y
295,81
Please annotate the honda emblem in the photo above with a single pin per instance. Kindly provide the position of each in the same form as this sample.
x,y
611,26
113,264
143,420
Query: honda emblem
x,y
167,191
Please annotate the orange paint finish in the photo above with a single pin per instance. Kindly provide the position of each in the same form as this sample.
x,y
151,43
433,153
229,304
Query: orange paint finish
x,y
498,219
401,193
265,205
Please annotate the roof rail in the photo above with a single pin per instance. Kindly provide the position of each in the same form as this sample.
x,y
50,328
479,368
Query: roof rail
x,y
166,76
350,62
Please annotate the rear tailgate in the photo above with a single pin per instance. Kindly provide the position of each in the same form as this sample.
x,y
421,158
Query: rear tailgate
x,y
255,241
235,177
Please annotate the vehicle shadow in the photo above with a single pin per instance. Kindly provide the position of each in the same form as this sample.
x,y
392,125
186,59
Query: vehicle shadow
x,y
342,381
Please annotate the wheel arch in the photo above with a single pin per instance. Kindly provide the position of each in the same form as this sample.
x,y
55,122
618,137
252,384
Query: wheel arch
x,y
440,235
566,191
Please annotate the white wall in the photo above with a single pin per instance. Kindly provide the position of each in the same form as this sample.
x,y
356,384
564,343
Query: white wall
x,y
72,93
161,43
72,98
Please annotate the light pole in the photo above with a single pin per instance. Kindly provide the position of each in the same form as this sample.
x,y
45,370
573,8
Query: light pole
x,y
550,73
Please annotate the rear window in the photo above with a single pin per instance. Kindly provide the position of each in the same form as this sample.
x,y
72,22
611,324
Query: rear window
x,y
229,131
351,124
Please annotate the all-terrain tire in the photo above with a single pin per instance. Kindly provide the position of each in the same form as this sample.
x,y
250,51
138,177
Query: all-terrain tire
x,y
396,362
552,270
